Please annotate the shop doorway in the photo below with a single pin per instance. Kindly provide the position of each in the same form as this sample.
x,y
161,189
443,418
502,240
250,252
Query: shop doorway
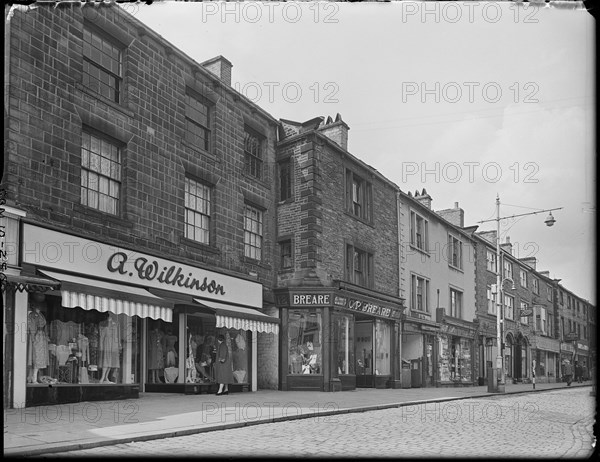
x,y
373,353
363,352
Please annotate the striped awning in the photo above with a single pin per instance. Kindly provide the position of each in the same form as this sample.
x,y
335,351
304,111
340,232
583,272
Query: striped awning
x,y
91,294
238,317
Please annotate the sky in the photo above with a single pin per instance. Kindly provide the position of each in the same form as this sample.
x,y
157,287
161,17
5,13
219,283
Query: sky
x,y
467,100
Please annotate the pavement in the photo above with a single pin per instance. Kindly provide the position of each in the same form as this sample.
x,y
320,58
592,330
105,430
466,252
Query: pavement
x,y
49,429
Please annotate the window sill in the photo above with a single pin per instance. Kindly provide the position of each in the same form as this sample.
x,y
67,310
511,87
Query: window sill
x,y
455,268
199,150
117,106
102,216
286,270
286,201
362,220
253,261
199,245
419,312
424,252
253,179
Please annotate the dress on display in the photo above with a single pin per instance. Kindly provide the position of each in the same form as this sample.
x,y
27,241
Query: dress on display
x,y
171,352
37,355
84,347
110,342
156,358
63,332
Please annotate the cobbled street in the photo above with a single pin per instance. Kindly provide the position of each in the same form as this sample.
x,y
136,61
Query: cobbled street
x,y
557,424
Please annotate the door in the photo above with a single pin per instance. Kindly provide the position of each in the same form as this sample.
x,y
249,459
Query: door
x,y
363,352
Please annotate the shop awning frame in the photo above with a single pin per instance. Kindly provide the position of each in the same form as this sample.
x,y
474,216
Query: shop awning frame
x,y
238,317
103,296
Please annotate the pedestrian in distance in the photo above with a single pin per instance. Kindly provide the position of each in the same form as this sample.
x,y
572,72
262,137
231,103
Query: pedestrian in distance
x,y
568,372
223,370
578,372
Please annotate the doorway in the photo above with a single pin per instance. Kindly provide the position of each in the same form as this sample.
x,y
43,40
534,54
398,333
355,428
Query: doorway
x,y
364,332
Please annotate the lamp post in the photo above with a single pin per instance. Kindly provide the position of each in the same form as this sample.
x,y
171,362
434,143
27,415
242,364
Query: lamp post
x,y
549,221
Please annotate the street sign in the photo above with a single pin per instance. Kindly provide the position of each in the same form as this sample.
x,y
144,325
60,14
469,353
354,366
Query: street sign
x,y
571,337
526,312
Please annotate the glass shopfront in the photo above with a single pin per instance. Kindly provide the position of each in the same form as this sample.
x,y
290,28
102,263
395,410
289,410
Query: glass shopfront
x,y
67,346
455,354
343,343
305,341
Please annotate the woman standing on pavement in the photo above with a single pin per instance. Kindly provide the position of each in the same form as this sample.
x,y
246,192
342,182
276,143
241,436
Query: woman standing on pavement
x,y
223,370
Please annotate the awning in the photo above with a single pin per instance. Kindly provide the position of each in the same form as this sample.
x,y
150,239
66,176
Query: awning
x,y
27,283
237,317
91,294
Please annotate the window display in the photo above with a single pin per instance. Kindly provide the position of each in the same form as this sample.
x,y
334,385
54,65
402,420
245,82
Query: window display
x,y
383,335
343,346
305,341
77,346
455,363
202,351
163,356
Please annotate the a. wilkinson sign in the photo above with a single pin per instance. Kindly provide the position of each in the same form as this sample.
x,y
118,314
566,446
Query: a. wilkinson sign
x,y
64,252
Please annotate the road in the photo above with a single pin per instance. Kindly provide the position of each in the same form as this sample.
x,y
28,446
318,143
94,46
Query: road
x,y
556,424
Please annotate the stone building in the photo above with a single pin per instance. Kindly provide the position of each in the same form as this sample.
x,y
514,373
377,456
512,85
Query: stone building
x,y
140,216
438,281
337,277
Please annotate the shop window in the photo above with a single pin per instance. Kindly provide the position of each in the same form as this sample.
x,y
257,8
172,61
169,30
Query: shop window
x,y
102,61
253,232
419,293
383,335
455,252
343,343
456,301
285,252
253,152
491,261
163,351
305,333
77,346
100,173
419,231
197,211
359,196
285,180
455,359
197,120
359,266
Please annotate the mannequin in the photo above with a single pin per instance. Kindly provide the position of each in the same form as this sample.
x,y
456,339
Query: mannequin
x,y
171,350
157,346
240,359
110,345
37,353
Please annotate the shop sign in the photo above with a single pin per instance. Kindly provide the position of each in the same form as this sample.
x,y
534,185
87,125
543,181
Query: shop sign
x,y
566,347
367,307
64,252
310,299
547,344
526,312
571,337
581,346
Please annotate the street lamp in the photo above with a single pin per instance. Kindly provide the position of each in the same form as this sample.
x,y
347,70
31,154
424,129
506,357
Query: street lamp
x,y
499,281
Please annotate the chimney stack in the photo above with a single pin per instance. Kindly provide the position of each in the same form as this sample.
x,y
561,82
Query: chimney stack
x,y
507,245
456,216
220,67
336,131
424,198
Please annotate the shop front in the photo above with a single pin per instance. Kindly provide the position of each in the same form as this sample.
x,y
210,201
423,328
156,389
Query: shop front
x,y
338,339
455,351
116,322
419,352
546,359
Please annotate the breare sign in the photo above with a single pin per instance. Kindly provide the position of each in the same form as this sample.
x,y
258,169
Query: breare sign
x,y
310,299
367,307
